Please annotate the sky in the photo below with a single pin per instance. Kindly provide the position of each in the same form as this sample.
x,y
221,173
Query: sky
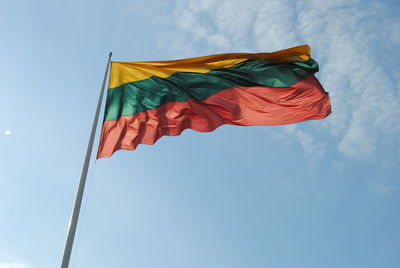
x,y
322,193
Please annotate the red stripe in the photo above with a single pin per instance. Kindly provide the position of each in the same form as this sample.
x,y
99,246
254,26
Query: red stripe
x,y
243,106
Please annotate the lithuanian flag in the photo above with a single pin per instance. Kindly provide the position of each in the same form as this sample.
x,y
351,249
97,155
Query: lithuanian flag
x,y
147,100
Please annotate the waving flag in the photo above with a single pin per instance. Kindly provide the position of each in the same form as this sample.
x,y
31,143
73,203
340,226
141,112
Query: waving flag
x,y
148,100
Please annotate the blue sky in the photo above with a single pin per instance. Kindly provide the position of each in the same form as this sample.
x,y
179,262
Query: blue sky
x,y
314,194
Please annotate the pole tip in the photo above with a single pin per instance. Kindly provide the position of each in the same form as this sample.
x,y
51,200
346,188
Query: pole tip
x,y
110,54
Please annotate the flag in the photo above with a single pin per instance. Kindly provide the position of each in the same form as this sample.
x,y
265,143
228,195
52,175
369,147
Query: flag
x,y
148,100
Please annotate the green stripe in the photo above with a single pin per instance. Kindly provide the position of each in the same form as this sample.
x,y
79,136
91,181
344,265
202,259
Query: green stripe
x,y
135,97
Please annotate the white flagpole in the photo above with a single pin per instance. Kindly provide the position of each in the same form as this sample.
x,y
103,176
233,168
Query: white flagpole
x,y
82,182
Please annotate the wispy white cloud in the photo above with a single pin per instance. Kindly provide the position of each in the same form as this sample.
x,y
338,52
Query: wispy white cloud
x,y
8,260
336,170
314,150
364,97
381,188
354,41
14,265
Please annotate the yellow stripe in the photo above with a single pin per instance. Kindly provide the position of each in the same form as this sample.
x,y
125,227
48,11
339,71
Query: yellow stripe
x,y
126,72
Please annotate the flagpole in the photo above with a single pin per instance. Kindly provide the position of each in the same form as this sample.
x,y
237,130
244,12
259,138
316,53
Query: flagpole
x,y
78,201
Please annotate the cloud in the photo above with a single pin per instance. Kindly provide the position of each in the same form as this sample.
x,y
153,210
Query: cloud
x,y
364,97
354,42
382,188
14,265
314,150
